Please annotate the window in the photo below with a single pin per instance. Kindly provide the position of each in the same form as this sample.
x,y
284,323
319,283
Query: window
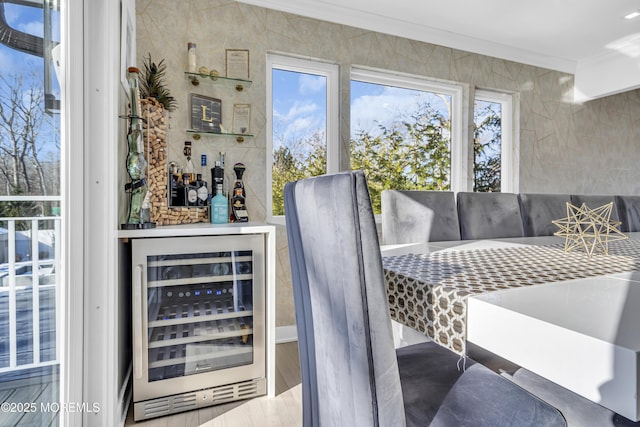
x,y
31,224
303,95
493,147
406,132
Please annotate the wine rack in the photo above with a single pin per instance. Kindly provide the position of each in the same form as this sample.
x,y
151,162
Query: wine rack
x,y
199,313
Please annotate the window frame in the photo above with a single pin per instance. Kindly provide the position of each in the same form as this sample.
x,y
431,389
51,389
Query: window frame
x,y
510,147
459,176
331,71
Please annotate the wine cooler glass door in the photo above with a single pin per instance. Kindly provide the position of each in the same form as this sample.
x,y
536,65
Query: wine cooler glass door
x,y
204,310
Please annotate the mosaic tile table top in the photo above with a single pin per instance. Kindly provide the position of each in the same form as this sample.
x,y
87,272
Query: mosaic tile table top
x,y
429,292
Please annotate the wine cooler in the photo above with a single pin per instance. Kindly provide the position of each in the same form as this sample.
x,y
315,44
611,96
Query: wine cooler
x,y
198,322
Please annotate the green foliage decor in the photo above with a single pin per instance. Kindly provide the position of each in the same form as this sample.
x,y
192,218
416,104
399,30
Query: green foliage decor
x,y
153,85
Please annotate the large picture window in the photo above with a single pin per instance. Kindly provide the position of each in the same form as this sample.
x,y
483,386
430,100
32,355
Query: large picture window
x,y
406,132
303,95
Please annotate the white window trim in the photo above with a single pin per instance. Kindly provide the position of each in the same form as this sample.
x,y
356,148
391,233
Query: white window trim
x,y
510,150
459,139
309,66
71,317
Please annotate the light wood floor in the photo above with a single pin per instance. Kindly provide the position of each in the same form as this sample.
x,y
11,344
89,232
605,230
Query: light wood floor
x,y
284,410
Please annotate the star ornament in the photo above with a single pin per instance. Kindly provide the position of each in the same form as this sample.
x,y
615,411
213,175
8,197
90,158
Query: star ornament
x,y
589,229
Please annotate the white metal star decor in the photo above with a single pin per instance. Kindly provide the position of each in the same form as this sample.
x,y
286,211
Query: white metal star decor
x,y
591,229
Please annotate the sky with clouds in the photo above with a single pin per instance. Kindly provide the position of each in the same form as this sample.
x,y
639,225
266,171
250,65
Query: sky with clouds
x,y
31,68
299,105
28,20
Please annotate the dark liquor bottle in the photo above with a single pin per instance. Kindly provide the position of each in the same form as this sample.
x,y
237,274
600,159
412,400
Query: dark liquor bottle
x,y
174,184
190,191
217,174
174,190
238,202
202,191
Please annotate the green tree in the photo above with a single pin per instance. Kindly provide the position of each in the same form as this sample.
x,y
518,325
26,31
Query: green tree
x,y
487,138
413,153
291,162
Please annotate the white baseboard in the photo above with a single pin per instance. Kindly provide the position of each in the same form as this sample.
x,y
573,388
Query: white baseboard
x,y
286,334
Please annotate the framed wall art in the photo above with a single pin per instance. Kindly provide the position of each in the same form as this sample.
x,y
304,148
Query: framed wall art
x,y
241,118
237,63
206,113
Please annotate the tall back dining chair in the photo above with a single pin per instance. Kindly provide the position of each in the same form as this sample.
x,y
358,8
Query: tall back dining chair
x,y
539,210
489,215
595,201
628,208
351,373
416,216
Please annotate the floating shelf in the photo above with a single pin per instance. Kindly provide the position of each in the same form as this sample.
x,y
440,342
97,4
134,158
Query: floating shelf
x,y
238,136
238,84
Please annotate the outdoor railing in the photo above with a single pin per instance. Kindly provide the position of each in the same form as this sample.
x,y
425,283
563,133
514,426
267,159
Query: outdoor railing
x,y
29,292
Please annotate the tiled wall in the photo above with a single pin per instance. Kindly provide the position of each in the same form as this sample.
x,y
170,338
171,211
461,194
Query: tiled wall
x,y
564,147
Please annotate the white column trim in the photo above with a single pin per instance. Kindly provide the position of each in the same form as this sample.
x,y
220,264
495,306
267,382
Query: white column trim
x,y
102,65
70,322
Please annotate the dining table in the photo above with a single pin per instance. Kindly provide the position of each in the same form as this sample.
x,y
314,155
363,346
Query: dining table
x,y
565,315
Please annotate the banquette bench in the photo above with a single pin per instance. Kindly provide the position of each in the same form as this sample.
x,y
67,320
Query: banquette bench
x,y
410,216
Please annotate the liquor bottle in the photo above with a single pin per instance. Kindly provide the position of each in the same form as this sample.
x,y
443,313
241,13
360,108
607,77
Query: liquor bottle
x,y
189,167
217,174
238,205
174,181
219,207
203,190
174,190
136,163
189,191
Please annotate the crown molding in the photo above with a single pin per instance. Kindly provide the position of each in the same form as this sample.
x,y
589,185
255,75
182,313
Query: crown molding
x,y
384,24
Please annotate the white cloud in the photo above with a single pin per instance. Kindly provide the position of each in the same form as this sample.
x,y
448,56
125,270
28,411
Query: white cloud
x,y
370,110
35,28
296,110
300,124
11,14
308,83
299,128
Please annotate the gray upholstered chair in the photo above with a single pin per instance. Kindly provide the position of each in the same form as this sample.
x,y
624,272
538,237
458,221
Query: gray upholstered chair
x,y
489,215
351,374
538,210
595,201
416,216
628,208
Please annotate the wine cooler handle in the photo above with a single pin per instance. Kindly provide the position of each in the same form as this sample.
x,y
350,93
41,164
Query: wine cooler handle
x,y
138,312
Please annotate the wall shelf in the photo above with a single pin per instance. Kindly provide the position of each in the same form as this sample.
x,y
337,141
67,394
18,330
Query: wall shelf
x,y
238,136
238,84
